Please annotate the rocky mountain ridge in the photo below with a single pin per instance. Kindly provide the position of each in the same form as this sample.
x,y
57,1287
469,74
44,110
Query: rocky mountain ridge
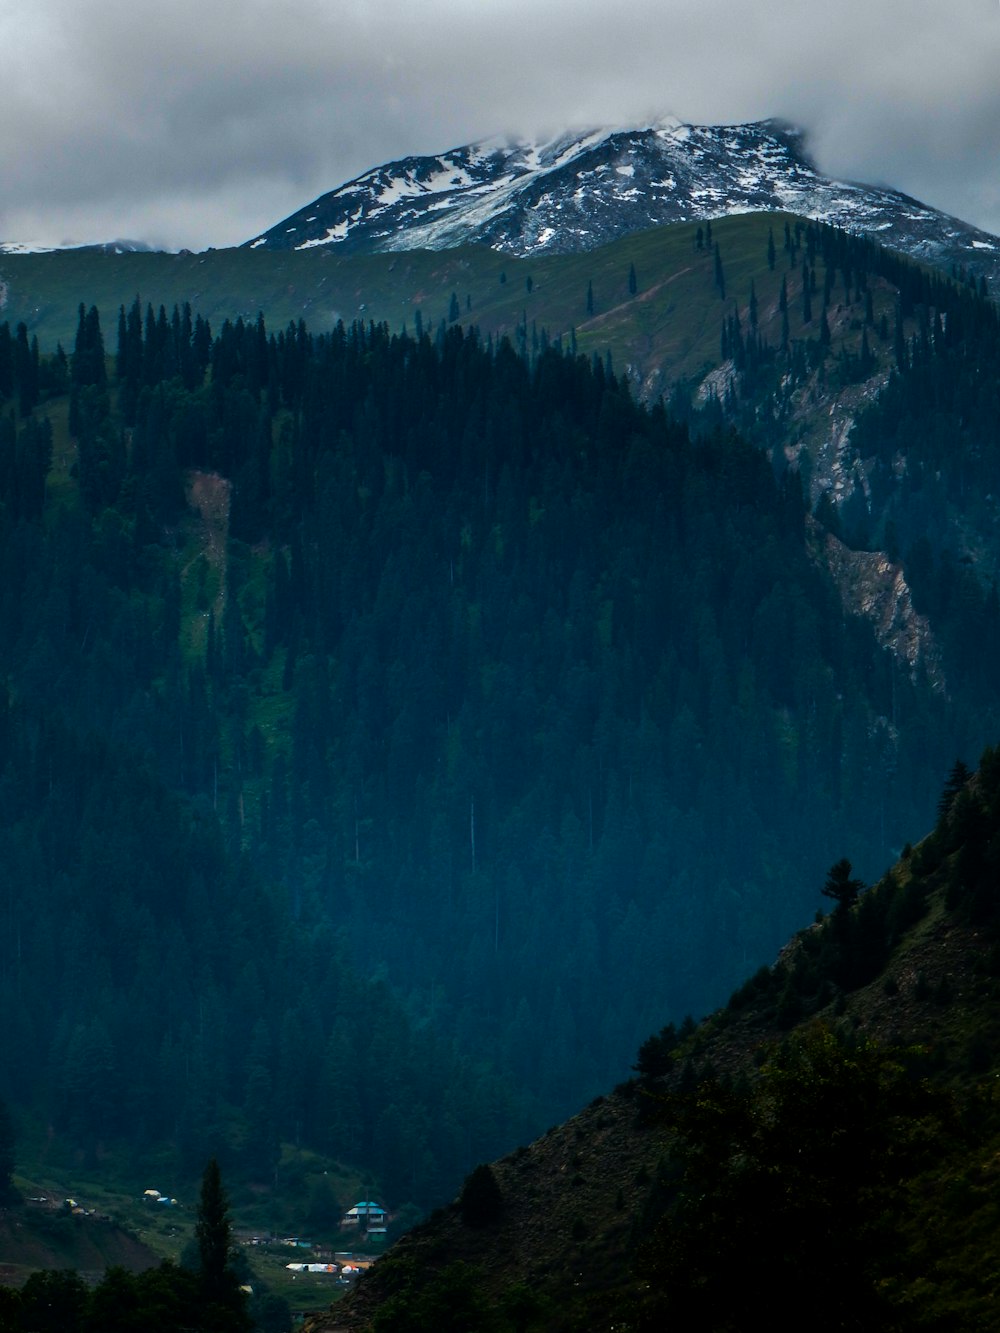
x,y
580,190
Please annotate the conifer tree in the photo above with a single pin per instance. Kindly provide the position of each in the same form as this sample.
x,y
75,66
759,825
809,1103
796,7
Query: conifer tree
x,y
481,1201
899,341
958,779
841,886
121,354
26,371
224,1302
867,360
6,362
88,351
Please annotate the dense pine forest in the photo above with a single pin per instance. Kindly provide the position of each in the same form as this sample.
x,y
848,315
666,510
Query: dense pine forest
x,y
397,729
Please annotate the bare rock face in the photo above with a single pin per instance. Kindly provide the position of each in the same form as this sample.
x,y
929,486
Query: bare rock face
x,y
872,586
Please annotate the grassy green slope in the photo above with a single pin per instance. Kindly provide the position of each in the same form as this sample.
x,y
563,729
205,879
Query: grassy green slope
x,y
669,328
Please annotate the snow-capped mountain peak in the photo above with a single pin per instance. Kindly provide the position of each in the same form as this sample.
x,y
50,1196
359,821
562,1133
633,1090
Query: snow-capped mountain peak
x,y
580,189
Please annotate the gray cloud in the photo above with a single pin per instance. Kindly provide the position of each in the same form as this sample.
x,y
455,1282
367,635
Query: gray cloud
x,y
199,124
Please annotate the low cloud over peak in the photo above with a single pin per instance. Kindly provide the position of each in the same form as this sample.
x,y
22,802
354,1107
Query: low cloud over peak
x,y
193,125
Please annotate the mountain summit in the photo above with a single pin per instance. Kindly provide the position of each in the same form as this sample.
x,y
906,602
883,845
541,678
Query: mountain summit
x,y
581,189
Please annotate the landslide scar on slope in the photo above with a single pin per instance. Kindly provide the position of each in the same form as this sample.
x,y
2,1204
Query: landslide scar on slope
x,y
209,496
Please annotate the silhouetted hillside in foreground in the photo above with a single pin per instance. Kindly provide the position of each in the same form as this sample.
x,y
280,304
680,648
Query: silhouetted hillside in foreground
x,y
821,1151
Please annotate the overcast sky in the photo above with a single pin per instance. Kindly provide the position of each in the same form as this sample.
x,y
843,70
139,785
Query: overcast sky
x,y
202,122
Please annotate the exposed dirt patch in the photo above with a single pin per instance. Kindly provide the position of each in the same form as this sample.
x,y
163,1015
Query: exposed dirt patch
x,y
209,495
32,1238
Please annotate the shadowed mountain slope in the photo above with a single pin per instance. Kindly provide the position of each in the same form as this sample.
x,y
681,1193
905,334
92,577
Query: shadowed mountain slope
x,y
831,1135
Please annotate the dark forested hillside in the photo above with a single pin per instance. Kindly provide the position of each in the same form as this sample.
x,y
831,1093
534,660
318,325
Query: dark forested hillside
x,y
395,722
880,380
822,1148
155,989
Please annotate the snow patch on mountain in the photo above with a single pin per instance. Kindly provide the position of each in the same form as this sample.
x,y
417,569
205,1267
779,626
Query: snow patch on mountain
x,y
25,248
119,247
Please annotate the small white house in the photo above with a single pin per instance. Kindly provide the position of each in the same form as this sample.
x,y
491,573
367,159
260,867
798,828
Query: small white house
x,y
366,1216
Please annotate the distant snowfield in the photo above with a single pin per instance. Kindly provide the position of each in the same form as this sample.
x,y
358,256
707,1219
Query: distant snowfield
x,y
109,247
26,248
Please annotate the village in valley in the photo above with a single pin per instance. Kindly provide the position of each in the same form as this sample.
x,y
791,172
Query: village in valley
x,y
369,1220
308,1270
